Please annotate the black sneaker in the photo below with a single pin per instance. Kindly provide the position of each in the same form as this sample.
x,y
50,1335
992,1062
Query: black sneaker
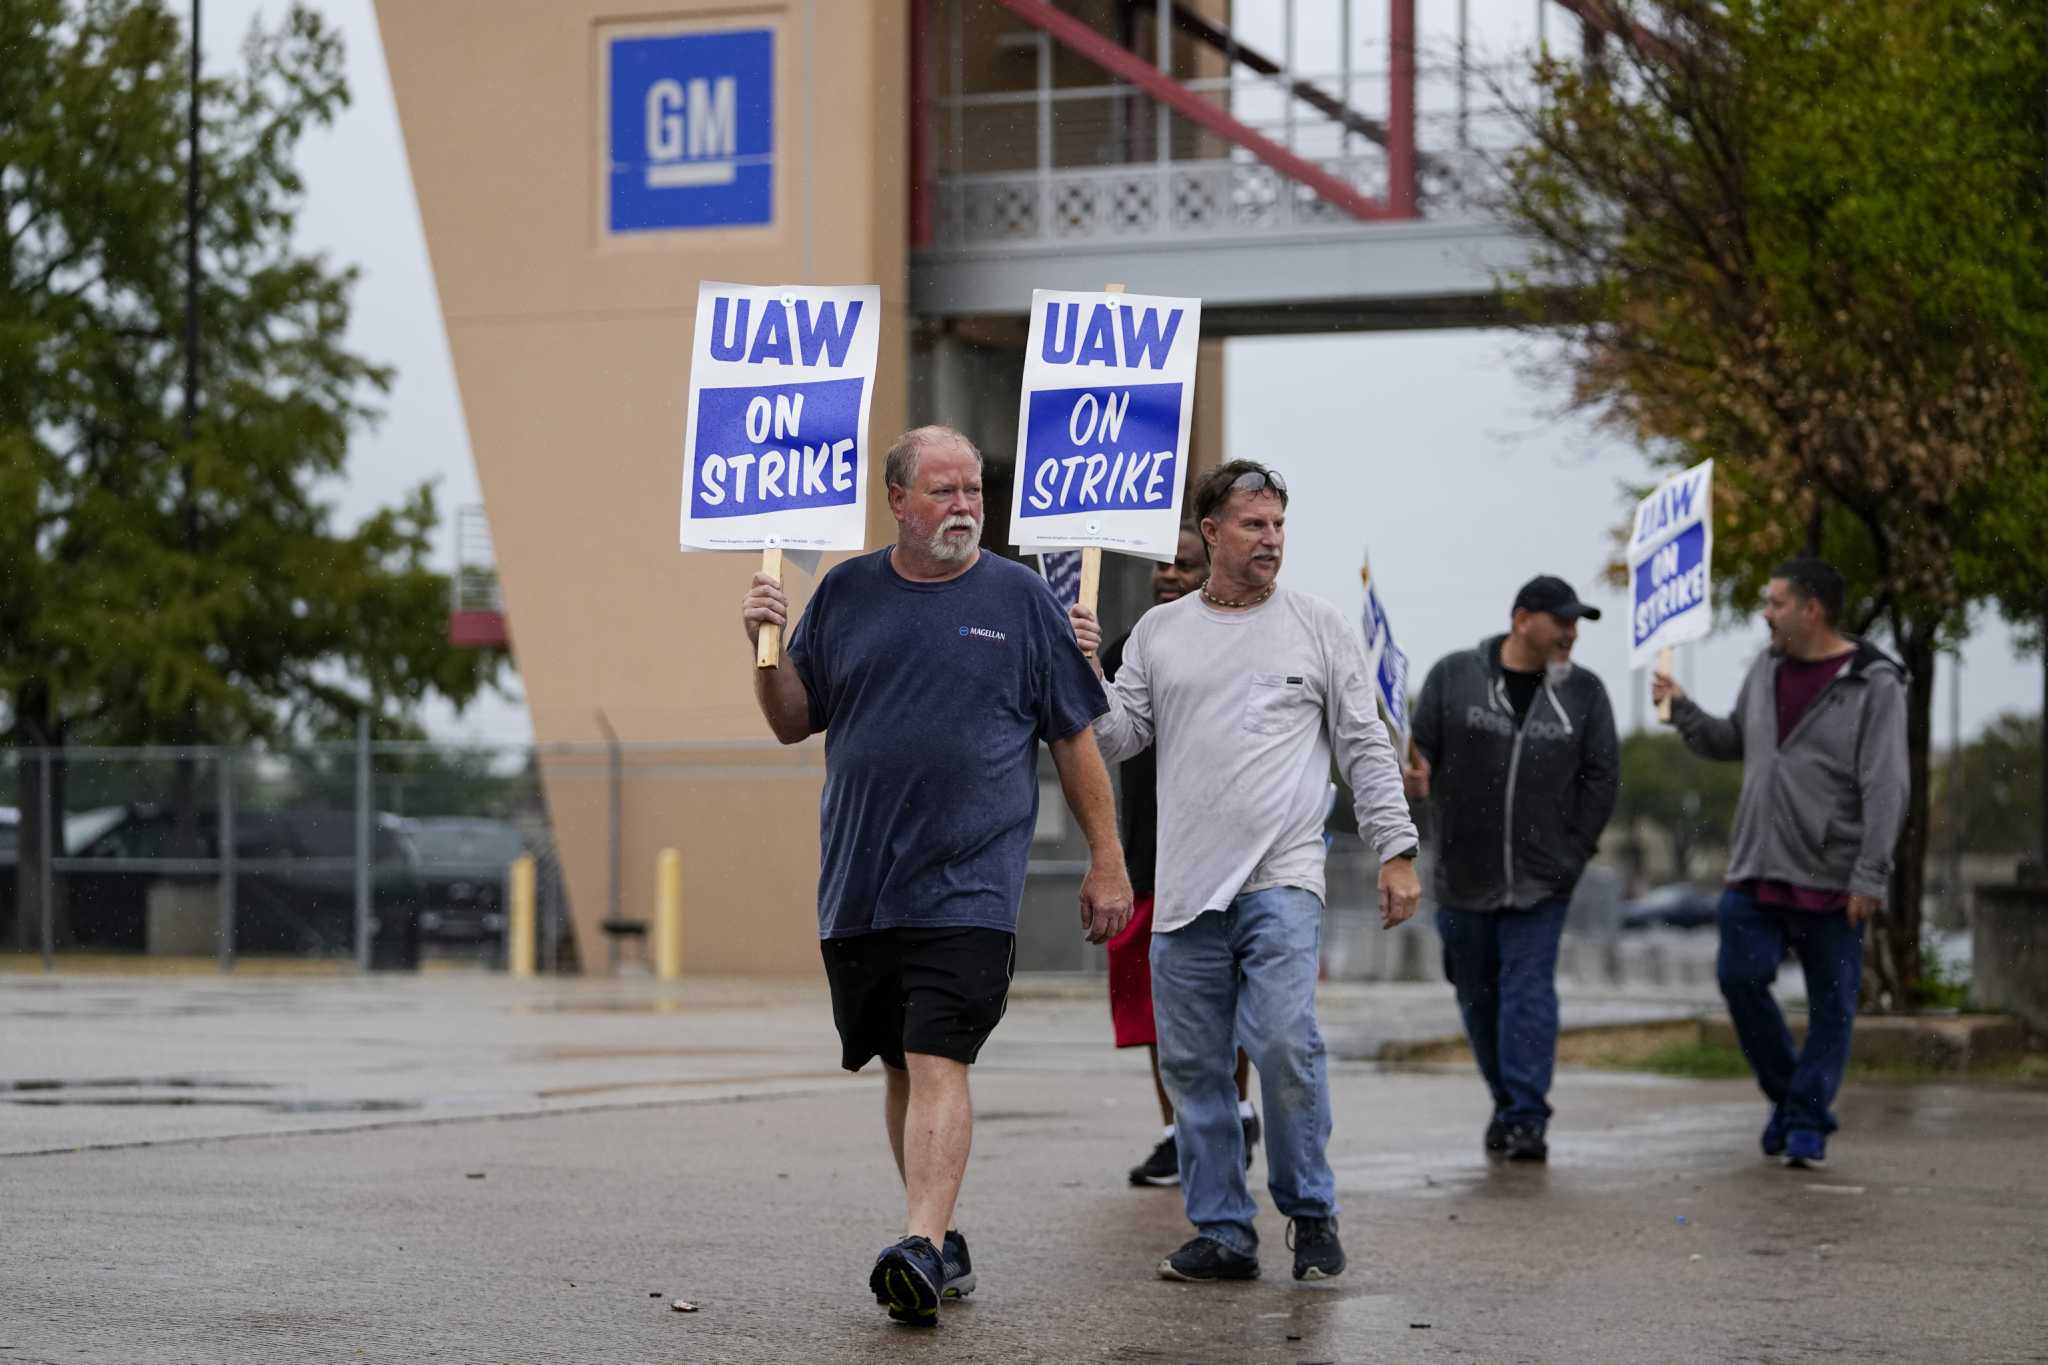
x,y
1203,1260
1318,1255
1252,1132
959,1266
1524,1142
907,1278
1497,1136
1160,1168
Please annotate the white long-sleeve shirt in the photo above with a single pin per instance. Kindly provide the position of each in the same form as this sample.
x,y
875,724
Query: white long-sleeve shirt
x,y
1245,709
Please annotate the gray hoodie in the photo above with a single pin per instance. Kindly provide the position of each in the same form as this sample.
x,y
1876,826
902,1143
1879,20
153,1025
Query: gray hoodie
x,y
1824,809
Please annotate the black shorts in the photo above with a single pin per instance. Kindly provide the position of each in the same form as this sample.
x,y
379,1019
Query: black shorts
x,y
935,991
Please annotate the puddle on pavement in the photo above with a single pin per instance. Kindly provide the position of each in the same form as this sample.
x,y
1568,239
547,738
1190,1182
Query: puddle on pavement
x,y
186,1093
210,1102
135,1083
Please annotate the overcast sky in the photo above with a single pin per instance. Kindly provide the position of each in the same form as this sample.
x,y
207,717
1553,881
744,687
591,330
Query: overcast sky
x,y
1435,450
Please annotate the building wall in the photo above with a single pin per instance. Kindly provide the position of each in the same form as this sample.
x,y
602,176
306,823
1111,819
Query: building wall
x,y
571,351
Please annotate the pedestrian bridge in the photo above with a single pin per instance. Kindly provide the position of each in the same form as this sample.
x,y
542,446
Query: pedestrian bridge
x,y
1300,165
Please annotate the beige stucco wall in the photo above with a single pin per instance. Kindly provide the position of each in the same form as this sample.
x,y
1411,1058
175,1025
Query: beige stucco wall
x,y
571,352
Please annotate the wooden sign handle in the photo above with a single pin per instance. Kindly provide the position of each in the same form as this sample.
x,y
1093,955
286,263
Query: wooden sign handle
x,y
1091,579
1091,555
768,646
1664,667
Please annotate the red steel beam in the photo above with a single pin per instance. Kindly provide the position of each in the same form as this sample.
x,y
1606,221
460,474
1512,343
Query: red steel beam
x,y
1401,109
1121,61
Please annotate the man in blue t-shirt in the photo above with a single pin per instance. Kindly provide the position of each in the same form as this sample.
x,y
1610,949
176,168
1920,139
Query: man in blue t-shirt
x,y
933,671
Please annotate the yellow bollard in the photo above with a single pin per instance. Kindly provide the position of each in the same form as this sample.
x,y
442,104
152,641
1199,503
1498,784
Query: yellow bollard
x,y
668,915
519,919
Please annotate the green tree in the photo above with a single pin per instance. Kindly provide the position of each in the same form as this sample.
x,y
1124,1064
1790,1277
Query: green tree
x,y
2000,779
1667,786
158,587
1805,239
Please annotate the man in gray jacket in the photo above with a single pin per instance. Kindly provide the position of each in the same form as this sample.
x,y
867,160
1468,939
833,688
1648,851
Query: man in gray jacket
x,y
1516,749
1820,728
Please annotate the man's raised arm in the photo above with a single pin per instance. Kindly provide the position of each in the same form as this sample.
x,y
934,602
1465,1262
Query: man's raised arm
x,y
778,691
1126,728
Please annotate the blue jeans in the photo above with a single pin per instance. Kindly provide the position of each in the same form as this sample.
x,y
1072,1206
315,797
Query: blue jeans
x,y
1754,938
1503,966
1245,977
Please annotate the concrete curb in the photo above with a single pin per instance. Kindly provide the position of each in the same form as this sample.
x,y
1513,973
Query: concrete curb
x,y
1959,1043
1946,1043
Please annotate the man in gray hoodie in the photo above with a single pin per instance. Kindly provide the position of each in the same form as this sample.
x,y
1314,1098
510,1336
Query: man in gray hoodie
x,y
1516,750
1820,728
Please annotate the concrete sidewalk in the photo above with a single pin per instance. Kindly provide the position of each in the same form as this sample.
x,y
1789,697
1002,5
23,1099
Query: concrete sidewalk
x,y
480,1170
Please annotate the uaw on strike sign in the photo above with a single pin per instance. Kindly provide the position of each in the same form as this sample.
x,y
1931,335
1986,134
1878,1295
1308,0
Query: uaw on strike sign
x,y
1670,565
775,454
1102,428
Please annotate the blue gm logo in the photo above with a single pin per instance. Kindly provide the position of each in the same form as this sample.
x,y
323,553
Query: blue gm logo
x,y
690,132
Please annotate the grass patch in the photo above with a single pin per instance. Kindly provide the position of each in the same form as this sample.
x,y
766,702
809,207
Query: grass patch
x,y
1692,1060
1701,1061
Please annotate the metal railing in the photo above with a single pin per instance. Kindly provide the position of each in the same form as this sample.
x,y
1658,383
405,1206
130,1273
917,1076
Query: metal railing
x,y
1021,158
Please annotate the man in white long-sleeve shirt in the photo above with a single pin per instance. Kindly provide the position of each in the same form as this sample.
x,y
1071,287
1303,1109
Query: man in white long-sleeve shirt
x,y
1246,689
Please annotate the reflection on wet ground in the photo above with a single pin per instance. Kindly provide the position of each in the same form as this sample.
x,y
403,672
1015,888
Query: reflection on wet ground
x,y
180,1092
221,1102
137,1083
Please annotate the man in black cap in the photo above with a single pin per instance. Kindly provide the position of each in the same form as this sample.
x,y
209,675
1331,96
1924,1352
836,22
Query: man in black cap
x,y
1516,750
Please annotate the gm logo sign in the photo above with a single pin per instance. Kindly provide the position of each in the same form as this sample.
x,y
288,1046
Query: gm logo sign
x,y
690,130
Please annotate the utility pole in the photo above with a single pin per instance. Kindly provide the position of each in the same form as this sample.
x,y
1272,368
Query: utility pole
x,y
192,284
1955,903
2040,868
186,774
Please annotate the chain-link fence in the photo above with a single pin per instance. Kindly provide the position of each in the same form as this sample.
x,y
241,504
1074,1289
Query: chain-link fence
x,y
398,855
376,854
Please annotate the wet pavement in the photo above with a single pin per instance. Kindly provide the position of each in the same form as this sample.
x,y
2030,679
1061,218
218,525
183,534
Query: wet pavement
x,y
470,1169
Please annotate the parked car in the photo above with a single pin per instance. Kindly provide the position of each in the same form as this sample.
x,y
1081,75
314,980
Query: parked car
x,y
295,882
80,829
463,865
1679,905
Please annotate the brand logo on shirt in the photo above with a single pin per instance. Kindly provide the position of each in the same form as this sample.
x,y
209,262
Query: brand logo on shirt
x,y
1499,723
983,632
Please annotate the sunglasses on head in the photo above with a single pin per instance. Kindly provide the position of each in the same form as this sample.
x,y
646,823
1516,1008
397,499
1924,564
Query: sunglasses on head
x,y
1255,480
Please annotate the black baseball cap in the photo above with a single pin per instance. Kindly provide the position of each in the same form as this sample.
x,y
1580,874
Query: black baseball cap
x,y
1554,595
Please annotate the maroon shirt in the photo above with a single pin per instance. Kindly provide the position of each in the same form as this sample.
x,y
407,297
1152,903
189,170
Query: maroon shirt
x,y
1800,681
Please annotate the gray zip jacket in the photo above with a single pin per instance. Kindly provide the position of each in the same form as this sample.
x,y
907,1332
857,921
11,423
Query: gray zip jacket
x,y
1824,809
1518,808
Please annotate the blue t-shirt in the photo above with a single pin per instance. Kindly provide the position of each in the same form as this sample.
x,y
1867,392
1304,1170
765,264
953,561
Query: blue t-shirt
x,y
933,698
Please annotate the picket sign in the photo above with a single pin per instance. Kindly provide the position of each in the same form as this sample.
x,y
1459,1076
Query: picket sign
x,y
1670,564
1102,422
775,449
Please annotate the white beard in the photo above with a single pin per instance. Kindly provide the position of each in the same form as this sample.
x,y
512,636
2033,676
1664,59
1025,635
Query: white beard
x,y
946,551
